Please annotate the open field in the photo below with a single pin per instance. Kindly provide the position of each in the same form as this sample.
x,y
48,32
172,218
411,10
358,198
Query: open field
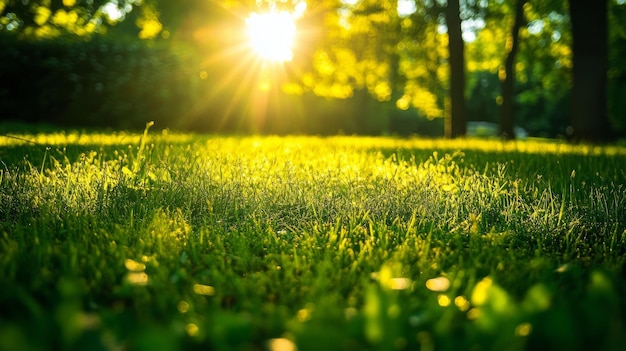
x,y
168,241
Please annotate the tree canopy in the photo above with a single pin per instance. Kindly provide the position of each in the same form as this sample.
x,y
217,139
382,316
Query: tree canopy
x,y
505,61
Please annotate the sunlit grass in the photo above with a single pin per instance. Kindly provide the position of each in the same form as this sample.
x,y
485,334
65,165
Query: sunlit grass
x,y
188,241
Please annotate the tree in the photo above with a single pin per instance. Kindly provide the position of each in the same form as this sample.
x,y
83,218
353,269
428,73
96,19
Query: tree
x,y
507,113
538,76
456,125
589,114
405,57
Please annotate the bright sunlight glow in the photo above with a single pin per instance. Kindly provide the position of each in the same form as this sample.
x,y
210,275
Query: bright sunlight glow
x,y
271,35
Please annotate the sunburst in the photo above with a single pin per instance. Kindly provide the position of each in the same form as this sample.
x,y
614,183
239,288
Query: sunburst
x,y
272,35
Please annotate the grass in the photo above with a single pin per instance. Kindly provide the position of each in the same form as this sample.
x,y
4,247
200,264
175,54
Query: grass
x,y
167,241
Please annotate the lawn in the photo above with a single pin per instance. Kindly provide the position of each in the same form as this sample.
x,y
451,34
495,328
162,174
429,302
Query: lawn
x,y
168,241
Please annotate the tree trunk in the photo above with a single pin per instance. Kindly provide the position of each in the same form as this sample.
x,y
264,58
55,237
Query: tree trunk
x,y
589,115
507,110
455,122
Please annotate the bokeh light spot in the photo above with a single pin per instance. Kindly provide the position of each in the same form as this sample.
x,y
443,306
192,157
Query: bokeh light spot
x,y
201,289
523,329
439,284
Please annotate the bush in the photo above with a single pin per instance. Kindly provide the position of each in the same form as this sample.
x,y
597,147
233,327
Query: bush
x,y
95,83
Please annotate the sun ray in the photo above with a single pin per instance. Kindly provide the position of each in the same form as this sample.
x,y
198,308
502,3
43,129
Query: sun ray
x,y
245,76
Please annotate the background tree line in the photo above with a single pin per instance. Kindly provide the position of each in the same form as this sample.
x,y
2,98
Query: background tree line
x,y
554,67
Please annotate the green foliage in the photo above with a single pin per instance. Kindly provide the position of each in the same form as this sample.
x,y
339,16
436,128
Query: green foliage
x,y
51,19
162,59
96,83
180,241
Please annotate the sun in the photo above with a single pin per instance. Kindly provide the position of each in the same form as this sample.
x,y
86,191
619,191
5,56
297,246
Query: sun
x,y
272,35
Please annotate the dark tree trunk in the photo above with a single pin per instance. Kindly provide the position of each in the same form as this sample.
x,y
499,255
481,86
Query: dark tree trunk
x,y
589,115
455,122
507,110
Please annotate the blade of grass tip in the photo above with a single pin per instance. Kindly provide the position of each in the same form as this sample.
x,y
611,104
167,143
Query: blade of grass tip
x,y
3,171
142,145
411,223
43,161
572,188
561,211
20,138
132,218
145,131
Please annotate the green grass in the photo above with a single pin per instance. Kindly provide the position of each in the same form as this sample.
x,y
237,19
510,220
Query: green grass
x,y
173,241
